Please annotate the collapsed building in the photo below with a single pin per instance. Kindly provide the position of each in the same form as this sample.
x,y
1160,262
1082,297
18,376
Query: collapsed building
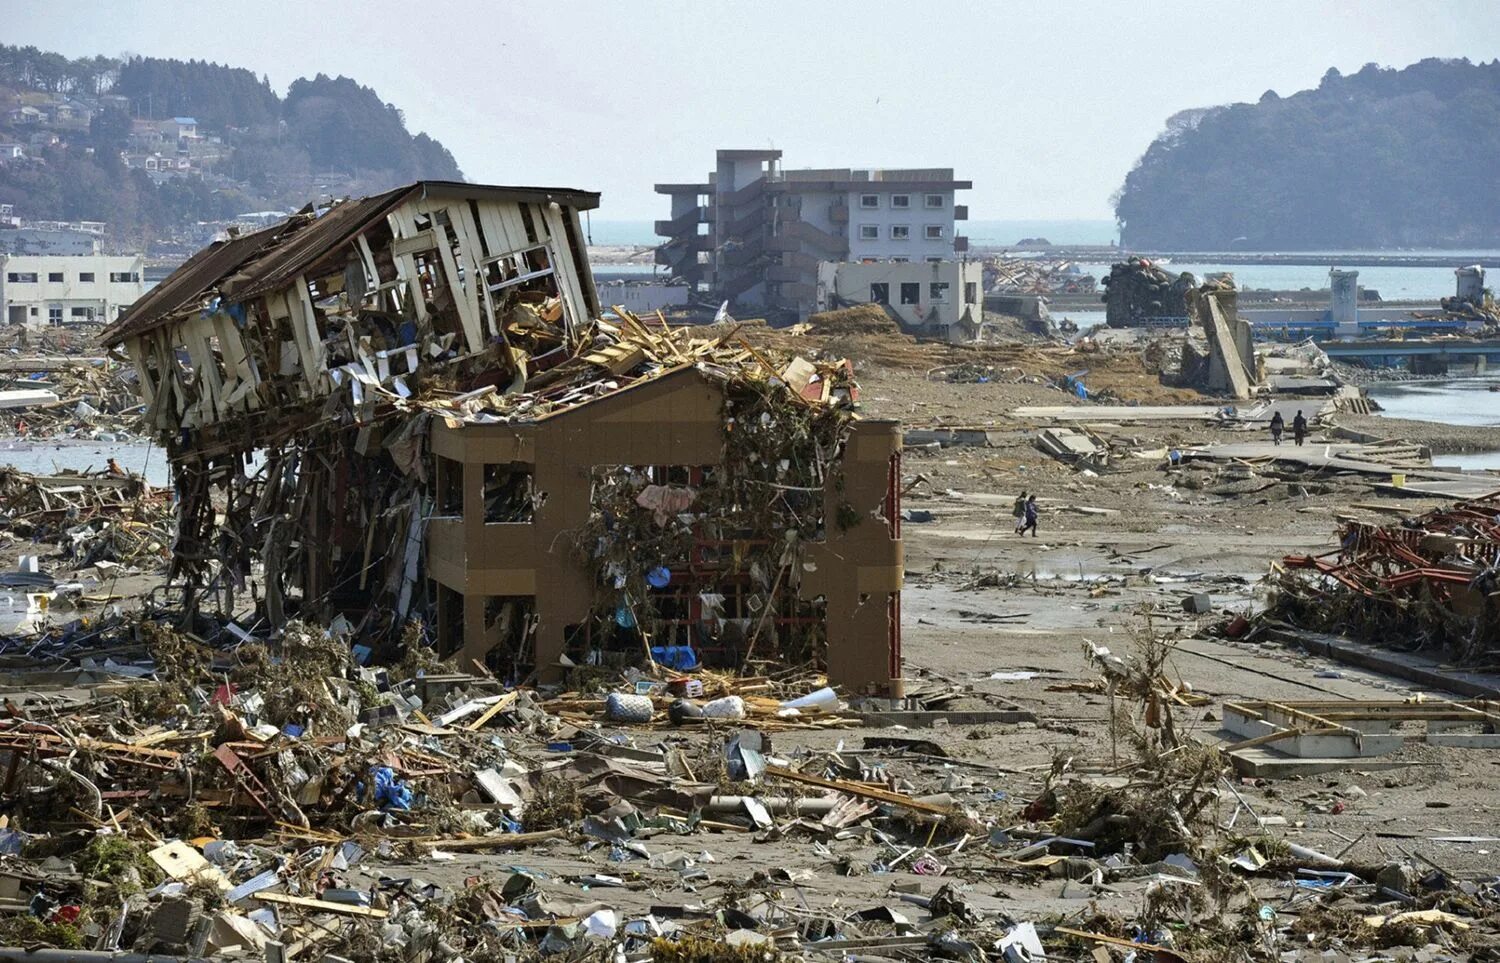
x,y
406,410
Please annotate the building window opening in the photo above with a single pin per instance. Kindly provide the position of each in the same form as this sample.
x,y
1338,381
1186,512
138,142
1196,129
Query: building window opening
x,y
937,292
55,277
911,292
450,487
869,232
971,292
880,293
900,201
86,277
869,201
934,232
508,494
510,635
900,232
933,201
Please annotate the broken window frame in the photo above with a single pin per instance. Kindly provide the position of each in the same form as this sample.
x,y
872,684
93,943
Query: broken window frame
x,y
522,502
523,277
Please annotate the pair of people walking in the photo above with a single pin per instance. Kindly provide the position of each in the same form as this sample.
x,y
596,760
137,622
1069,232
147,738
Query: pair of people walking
x,y
1025,513
1299,427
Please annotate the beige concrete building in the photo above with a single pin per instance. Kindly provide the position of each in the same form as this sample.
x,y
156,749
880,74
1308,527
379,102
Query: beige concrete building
x,y
48,289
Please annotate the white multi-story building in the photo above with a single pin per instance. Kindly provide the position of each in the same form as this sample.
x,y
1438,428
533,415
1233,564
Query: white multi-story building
x,y
39,290
754,233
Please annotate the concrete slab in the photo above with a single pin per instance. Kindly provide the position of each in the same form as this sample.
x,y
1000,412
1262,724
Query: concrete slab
x,y
1264,764
1459,486
950,437
1335,456
1413,667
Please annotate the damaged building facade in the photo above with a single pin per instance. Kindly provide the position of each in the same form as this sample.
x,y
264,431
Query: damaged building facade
x,y
403,410
755,233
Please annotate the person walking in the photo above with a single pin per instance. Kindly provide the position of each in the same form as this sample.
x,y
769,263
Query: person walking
x,y
1299,428
1277,427
1028,519
1018,511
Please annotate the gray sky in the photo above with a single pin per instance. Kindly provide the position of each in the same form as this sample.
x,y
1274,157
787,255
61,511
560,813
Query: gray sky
x,y
1044,105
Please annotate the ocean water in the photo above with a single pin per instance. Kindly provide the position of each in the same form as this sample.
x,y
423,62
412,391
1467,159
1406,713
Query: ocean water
x,y
642,233
46,457
1453,401
1008,233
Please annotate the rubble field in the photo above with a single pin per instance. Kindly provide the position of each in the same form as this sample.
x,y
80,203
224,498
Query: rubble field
x,y
1057,781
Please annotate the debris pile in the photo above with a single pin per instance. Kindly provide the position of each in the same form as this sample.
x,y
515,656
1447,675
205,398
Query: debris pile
x,y
94,399
1139,292
1014,276
1432,581
110,520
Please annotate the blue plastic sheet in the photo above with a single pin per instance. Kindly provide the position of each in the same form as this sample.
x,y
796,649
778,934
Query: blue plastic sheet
x,y
678,657
390,792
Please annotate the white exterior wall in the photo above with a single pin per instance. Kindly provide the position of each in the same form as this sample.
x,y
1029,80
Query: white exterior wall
x,y
851,282
916,218
33,301
817,209
638,298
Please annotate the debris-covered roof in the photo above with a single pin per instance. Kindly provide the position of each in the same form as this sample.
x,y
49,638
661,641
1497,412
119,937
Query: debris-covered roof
x,y
251,264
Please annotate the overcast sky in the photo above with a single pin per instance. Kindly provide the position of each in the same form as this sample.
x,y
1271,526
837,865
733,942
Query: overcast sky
x,y
1044,105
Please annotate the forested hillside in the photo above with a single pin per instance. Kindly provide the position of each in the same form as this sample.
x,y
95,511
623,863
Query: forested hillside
x,y
152,146
1380,158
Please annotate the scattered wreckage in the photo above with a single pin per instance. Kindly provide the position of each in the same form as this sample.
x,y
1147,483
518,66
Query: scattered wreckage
x,y
1431,581
650,561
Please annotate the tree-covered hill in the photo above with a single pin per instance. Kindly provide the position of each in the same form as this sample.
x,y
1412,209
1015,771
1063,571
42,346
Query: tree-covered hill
x,y
97,134
1380,158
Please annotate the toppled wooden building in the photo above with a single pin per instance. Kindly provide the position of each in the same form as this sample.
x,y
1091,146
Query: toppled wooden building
x,y
405,407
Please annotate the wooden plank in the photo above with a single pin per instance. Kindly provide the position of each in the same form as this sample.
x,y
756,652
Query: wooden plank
x,y
863,792
418,242
575,306
473,253
403,226
465,300
506,701
320,905
317,361
1276,736
497,234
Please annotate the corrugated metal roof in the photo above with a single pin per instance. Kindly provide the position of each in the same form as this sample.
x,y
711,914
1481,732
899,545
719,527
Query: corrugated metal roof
x,y
253,264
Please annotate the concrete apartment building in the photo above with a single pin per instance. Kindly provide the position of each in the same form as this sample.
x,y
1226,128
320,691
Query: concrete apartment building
x,y
754,233
38,290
